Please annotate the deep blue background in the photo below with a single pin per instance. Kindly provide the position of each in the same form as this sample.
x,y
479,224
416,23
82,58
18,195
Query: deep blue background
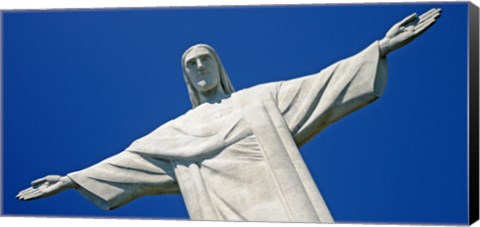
x,y
80,86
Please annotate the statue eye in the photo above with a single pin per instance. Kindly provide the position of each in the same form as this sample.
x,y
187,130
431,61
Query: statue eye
x,y
190,63
206,58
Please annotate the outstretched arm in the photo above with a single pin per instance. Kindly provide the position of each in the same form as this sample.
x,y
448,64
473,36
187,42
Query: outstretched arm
x,y
407,30
46,186
112,182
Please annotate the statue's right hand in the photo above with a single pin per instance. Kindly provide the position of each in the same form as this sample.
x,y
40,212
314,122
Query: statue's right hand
x,y
44,187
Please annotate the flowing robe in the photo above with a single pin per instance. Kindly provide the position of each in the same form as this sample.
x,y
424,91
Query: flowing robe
x,y
239,159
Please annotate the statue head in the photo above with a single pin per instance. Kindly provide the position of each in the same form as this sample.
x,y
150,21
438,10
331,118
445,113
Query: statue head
x,y
203,72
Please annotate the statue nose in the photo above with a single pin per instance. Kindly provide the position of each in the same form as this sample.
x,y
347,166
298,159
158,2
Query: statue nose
x,y
200,65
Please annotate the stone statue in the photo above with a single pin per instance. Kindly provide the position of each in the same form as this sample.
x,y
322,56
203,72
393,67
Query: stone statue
x,y
235,156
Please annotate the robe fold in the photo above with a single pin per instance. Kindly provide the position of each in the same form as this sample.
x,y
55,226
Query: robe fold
x,y
239,159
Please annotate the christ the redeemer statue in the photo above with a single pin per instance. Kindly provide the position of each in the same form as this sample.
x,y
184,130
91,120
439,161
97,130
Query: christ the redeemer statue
x,y
235,156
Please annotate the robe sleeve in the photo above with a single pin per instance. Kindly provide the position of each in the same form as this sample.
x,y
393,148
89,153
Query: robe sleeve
x,y
311,103
124,177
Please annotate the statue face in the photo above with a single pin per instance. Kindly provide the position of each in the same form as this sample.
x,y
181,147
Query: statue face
x,y
202,70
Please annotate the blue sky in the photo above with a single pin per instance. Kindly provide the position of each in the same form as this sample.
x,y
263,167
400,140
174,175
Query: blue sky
x,y
81,85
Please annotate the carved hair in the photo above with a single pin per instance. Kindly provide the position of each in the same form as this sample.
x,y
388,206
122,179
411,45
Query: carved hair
x,y
224,79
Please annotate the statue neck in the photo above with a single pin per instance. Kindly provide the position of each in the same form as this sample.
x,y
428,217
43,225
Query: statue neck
x,y
213,96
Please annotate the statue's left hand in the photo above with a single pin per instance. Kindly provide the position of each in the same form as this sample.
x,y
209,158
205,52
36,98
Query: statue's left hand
x,y
46,186
407,30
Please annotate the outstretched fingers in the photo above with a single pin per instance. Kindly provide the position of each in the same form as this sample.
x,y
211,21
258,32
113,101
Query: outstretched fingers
x,y
429,12
435,12
27,193
426,20
33,195
421,28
